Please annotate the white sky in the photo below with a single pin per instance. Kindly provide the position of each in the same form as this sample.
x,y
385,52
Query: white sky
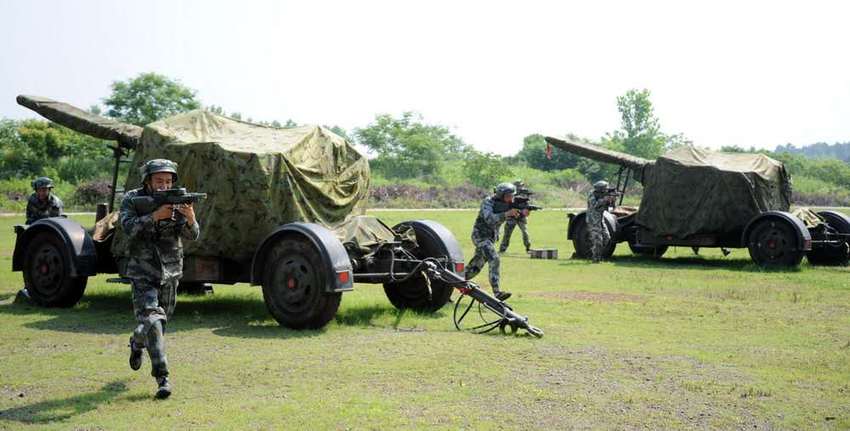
x,y
723,73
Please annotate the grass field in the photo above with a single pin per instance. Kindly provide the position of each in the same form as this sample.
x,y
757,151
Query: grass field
x,y
684,342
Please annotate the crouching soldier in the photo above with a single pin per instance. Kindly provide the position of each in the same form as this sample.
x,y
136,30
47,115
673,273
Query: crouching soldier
x,y
485,233
154,265
43,203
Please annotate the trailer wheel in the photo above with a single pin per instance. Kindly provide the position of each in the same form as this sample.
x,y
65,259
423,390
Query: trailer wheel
x,y
47,277
294,281
582,244
648,250
834,255
413,293
773,243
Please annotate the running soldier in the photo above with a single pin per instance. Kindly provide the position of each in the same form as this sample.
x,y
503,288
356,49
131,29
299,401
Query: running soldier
x,y
485,233
154,265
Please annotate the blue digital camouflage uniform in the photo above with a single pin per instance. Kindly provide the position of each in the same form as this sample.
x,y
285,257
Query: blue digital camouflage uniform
x,y
485,233
597,204
510,224
36,209
154,264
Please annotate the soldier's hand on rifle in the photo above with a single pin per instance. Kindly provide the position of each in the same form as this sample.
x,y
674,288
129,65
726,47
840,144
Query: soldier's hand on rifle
x,y
513,212
162,213
188,211
525,212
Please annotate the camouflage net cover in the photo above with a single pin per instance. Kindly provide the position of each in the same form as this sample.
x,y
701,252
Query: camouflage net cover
x,y
690,191
256,178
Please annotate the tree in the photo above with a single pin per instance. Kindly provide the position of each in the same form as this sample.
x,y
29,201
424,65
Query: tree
x,y
32,147
485,169
533,152
640,135
406,147
147,98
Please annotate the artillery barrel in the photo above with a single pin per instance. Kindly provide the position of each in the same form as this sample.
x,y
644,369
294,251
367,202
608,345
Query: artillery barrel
x,y
127,135
600,154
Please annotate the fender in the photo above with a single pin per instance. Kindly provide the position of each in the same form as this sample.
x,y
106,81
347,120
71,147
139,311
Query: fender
x,y
610,220
804,238
451,247
836,219
78,244
332,251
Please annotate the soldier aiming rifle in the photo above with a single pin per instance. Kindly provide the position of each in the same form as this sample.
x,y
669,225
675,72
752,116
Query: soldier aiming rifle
x,y
156,218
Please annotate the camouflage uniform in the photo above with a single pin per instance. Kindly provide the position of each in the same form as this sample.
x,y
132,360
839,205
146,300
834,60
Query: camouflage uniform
x,y
510,224
154,265
38,209
485,233
597,204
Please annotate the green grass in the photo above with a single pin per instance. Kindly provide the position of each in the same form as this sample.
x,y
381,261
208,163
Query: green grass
x,y
683,342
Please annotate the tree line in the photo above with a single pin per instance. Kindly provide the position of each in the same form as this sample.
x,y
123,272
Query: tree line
x,y
402,148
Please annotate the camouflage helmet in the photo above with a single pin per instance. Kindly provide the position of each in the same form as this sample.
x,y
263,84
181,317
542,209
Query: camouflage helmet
x,y
600,187
42,182
158,165
503,189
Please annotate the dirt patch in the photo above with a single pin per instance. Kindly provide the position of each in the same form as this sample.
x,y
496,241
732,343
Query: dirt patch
x,y
591,296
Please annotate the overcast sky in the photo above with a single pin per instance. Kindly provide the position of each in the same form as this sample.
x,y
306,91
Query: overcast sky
x,y
723,73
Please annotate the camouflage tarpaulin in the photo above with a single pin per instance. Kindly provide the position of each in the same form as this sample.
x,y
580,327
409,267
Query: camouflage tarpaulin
x,y
256,177
690,191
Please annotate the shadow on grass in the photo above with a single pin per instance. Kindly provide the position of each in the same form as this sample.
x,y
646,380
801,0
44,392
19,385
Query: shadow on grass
x,y
687,262
368,315
65,408
112,313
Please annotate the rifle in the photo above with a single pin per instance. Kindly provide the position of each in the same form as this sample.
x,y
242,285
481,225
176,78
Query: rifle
x,y
505,318
176,197
520,203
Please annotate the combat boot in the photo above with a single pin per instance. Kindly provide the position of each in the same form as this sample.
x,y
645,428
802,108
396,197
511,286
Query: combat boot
x,y
164,388
135,355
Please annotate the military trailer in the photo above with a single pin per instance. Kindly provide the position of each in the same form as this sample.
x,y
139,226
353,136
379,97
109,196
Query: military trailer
x,y
697,198
283,211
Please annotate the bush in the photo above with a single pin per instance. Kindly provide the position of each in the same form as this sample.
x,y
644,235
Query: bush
x,y
93,192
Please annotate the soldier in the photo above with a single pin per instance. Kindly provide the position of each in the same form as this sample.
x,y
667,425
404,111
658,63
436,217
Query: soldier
x,y
520,220
154,265
43,203
485,232
597,203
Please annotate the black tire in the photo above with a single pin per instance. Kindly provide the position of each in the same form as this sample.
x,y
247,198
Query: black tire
x,y
774,243
47,267
581,241
413,293
649,251
832,255
294,285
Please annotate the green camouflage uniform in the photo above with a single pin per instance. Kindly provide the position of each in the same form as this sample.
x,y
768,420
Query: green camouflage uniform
x,y
154,265
597,204
37,210
485,233
510,224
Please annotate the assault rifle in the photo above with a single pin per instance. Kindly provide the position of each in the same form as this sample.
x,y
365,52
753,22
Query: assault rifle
x,y
519,203
176,197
